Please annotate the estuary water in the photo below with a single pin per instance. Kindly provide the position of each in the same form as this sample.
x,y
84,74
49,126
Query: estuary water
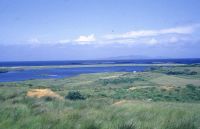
x,y
20,75
69,72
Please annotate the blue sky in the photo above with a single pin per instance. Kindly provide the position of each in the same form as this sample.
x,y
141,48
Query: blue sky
x,y
97,29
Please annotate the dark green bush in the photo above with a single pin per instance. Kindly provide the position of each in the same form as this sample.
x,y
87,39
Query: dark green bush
x,y
74,95
185,72
127,126
3,71
49,98
193,73
174,72
191,87
119,80
153,68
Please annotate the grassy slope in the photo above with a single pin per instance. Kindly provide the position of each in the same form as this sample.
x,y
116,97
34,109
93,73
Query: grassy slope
x,y
146,100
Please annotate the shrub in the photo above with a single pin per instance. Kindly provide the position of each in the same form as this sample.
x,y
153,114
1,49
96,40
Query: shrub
x,y
174,72
153,68
74,95
49,98
127,126
119,80
185,72
193,73
3,71
191,87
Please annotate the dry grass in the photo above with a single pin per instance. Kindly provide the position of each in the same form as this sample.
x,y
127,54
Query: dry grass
x,y
110,77
167,87
139,87
121,102
39,93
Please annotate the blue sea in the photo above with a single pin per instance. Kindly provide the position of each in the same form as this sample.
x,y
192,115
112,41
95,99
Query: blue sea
x,y
21,75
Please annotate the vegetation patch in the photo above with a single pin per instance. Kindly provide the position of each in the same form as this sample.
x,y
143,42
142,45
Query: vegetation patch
x,y
176,71
119,80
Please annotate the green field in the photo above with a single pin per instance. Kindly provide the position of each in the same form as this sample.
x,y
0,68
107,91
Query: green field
x,y
161,98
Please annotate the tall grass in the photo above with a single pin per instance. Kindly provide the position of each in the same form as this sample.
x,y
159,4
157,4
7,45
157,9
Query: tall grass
x,y
97,114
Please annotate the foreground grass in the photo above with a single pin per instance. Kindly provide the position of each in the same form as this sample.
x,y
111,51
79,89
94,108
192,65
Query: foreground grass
x,y
98,114
146,100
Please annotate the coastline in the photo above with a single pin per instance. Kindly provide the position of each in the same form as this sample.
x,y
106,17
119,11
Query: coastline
x,y
14,68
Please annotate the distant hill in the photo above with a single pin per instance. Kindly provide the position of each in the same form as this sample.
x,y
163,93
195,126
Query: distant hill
x,y
129,57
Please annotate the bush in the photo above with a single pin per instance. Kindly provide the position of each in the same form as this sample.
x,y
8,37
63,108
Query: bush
x,y
119,80
175,72
185,72
74,95
3,71
191,87
49,98
193,73
153,68
127,126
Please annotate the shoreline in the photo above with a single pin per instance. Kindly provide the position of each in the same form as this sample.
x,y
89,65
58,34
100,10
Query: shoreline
x,y
14,68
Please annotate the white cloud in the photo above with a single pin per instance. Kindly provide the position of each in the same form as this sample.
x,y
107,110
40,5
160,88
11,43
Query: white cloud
x,y
148,33
178,30
34,40
46,41
173,39
153,41
153,37
89,38
145,37
64,41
